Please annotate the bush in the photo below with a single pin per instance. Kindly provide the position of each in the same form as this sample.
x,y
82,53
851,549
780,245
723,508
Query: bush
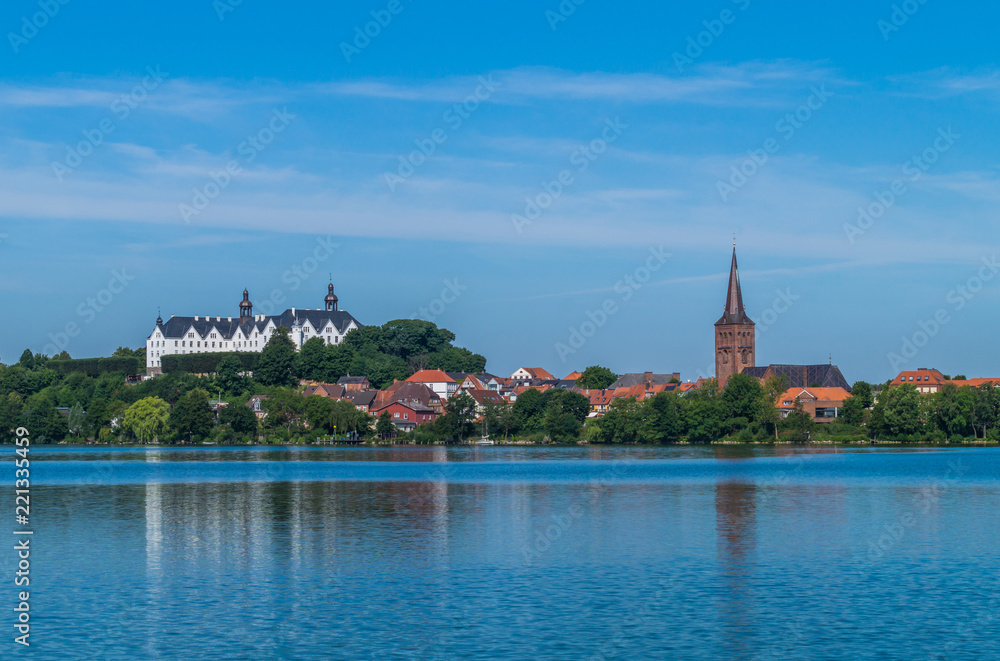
x,y
207,363
95,367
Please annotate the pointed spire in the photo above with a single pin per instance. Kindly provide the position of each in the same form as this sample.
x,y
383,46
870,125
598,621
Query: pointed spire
x,y
735,312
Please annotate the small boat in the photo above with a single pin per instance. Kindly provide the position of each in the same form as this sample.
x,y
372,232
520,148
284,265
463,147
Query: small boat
x,y
485,440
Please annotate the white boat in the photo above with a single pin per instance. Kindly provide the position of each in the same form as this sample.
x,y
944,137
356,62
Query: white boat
x,y
485,440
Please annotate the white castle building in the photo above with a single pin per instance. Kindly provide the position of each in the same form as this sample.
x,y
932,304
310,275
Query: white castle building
x,y
248,332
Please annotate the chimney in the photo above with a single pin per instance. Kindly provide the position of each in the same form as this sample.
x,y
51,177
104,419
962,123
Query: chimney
x,y
229,319
196,317
648,378
293,312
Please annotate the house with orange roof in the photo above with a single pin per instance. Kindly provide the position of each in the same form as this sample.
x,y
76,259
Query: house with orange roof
x,y
925,380
442,384
484,397
976,383
823,404
531,374
600,401
573,376
470,382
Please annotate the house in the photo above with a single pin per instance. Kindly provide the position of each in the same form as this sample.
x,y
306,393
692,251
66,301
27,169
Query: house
x,y
532,374
976,383
442,384
469,382
328,390
494,383
354,384
364,400
823,404
414,394
217,406
484,397
646,379
925,380
256,404
573,376
802,376
600,401
405,416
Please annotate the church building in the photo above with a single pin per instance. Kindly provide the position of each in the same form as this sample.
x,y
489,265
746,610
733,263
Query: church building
x,y
248,332
735,342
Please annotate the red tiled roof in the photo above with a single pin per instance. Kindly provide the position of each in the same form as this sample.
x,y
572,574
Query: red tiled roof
x,y
573,376
919,376
430,376
810,394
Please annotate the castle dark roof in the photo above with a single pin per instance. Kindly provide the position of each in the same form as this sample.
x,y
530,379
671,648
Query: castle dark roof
x,y
176,327
803,376
735,313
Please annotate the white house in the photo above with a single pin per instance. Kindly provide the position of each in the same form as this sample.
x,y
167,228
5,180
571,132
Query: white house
x,y
248,332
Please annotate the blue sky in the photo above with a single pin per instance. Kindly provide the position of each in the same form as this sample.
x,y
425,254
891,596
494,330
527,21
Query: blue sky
x,y
177,93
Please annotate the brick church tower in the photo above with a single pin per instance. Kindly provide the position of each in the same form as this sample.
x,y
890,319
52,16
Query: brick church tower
x,y
735,348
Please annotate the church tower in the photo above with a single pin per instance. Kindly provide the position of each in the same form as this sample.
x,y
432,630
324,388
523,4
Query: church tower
x,y
735,343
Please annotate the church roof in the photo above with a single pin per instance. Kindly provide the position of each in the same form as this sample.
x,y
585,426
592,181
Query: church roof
x,y
734,313
803,376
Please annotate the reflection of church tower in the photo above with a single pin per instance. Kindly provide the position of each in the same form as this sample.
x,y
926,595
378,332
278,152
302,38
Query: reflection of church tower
x,y
736,530
734,333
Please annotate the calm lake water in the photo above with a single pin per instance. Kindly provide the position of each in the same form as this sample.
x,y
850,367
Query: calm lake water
x,y
511,553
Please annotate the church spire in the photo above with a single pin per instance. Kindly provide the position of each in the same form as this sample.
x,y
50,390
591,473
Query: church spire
x,y
735,313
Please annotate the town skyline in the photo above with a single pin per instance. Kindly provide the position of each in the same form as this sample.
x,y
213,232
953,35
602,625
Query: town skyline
x,y
539,177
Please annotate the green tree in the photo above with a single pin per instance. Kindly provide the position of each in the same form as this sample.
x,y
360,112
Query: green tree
x,y
460,412
384,427
318,410
314,360
742,398
229,377
862,390
596,377
239,418
285,409
146,419
27,360
76,420
527,412
773,387
277,361
192,415
344,418
664,418
897,412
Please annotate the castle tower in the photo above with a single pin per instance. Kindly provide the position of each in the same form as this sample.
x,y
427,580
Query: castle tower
x,y
331,300
246,307
735,343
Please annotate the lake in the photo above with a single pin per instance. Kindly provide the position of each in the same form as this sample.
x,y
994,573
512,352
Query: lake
x,y
723,552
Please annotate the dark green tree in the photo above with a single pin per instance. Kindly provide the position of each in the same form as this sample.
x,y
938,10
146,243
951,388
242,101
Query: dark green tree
x,y
314,360
460,412
229,377
664,419
276,366
596,377
384,427
192,415
239,418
